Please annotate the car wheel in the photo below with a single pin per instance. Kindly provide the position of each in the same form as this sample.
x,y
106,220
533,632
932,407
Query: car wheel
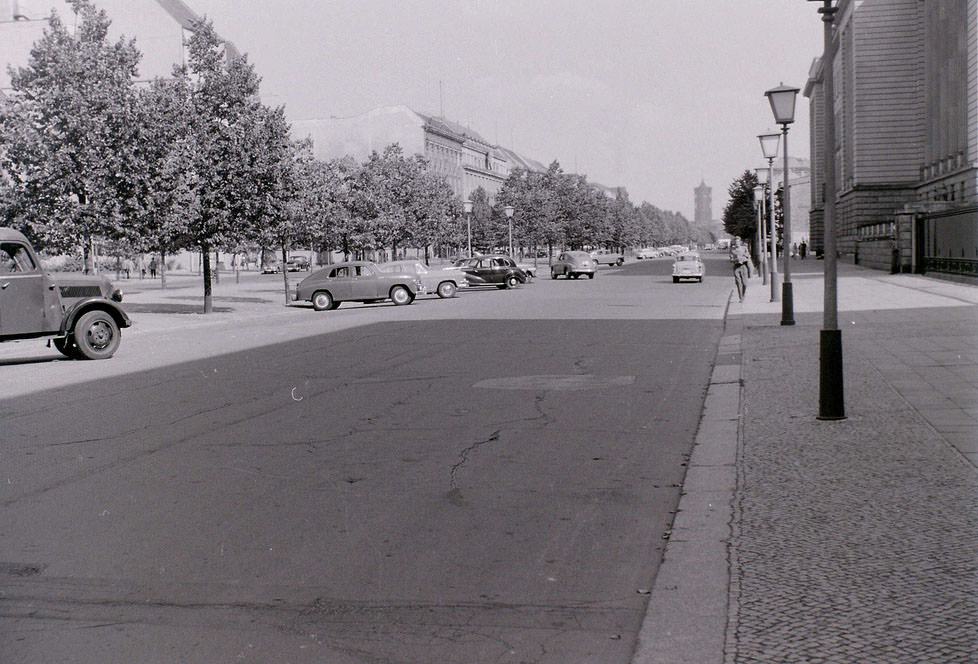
x,y
553,274
512,281
591,276
621,261
401,296
67,348
675,280
322,301
446,289
96,336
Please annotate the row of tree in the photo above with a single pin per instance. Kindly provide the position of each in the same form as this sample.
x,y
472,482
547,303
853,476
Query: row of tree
x,y
196,161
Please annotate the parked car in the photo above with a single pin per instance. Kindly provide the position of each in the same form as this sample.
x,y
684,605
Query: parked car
x,y
647,252
493,270
297,264
80,313
608,257
444,282
687,266
271,268
573,264
356,281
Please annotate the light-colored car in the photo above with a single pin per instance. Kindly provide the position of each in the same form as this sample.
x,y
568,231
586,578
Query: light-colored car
x,y
444,282
647,252
356,281
608,257
687,266
573,264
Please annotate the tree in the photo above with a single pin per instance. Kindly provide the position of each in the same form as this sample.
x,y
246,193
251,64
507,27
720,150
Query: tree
x,y
739,216
70,135
222,147
163,191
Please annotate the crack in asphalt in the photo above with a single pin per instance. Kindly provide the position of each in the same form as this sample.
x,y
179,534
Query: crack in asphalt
x,y
464,456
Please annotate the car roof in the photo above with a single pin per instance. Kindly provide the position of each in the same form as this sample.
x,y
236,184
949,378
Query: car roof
x,y
12,234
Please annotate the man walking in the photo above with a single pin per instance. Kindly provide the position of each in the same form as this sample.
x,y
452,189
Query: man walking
x,y
739,259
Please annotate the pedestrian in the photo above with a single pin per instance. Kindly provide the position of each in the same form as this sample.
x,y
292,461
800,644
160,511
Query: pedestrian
x,y
128,267
739,259
802,250
152,268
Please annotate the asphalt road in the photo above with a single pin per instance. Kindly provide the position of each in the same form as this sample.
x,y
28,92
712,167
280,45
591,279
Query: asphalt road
x,y
484,479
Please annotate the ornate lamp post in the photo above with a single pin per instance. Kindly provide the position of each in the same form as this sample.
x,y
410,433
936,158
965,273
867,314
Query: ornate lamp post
x,y
467,208
762,182
831,401
782,100
759,206
508,211
769,148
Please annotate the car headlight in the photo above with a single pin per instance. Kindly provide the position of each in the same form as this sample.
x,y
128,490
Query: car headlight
x,y
117,295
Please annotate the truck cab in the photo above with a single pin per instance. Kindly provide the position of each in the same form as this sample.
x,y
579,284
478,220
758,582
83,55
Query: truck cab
x,y
81,314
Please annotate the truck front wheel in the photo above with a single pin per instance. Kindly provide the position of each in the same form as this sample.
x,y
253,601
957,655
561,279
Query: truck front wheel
x,y
96,336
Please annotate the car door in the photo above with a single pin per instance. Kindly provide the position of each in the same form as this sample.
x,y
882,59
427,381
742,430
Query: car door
x,y
340,283
24,292
365,283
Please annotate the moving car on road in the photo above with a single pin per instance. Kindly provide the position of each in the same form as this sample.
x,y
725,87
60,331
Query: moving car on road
x,y
356,281
608,257
493,270
573,264
444,282
80,313
687,266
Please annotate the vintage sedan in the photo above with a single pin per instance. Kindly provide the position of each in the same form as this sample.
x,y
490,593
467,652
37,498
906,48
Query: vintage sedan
x,y
573,264
603,257
494,270
687,266
444,282
356,281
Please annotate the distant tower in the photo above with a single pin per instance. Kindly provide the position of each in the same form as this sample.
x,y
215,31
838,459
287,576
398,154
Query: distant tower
x,y
704,204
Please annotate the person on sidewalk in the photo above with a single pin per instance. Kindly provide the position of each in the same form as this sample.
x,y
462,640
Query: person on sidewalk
x,y
739,258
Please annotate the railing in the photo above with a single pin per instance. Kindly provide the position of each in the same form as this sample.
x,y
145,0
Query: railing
x,y
965,266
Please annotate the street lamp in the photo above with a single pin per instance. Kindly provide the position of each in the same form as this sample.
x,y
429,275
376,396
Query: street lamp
x,y
831,400
508,211
769,148
467,208
782,99
759,206
762,180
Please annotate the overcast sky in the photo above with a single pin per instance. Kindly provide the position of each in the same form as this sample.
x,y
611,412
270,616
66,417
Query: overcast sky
x,y
653,95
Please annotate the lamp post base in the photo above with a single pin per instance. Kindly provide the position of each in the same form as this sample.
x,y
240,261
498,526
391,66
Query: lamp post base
x,y
831,400
787,304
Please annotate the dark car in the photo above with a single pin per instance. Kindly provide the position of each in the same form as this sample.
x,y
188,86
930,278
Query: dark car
x,y
79,312
297,264
356,281
573,264
494,270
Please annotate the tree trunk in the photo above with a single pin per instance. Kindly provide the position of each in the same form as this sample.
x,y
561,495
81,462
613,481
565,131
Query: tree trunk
x,y
285,273
163,269
217,267
205,255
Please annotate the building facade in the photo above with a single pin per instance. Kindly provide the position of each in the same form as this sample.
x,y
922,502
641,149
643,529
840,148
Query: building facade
x,y
160,28
906,135
460,155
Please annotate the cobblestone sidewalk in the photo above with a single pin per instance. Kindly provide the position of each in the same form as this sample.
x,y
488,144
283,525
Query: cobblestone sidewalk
x,y
856,540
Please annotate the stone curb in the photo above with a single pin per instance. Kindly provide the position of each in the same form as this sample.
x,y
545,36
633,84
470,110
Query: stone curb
x,y
687,616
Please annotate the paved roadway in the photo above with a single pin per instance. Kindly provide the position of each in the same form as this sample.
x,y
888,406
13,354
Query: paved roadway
x,y
489,478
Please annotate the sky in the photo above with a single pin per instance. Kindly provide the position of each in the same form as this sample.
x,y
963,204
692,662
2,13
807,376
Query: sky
x,y
652,95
